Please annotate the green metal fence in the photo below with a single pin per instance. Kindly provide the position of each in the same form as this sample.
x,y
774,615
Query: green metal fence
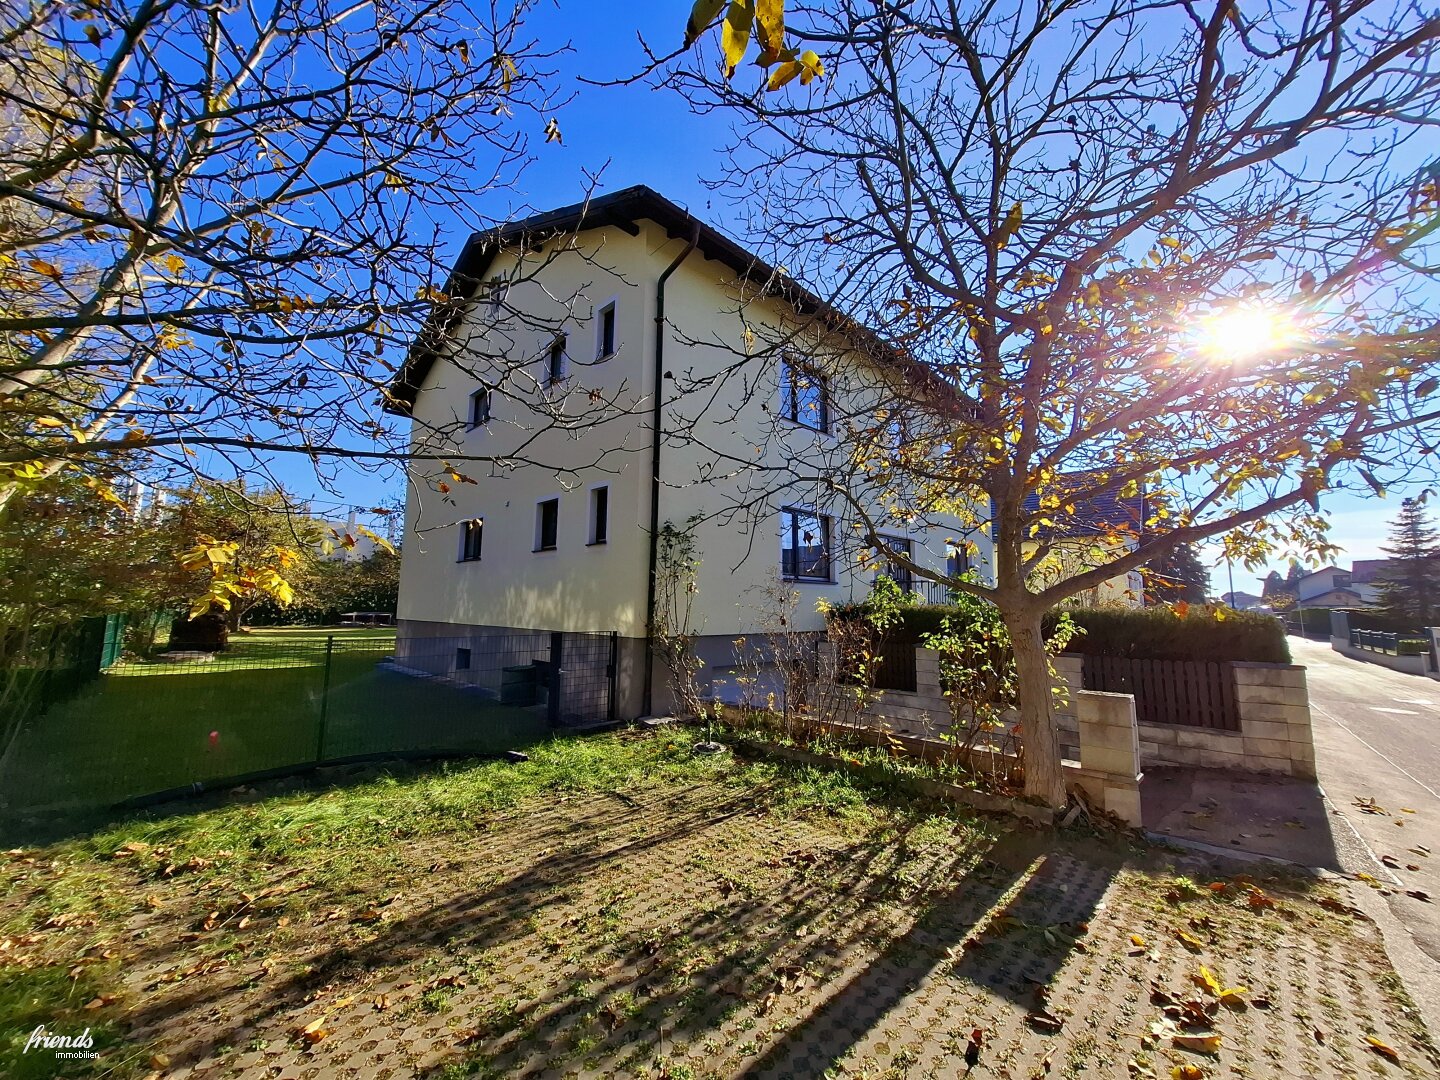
x,y
280,699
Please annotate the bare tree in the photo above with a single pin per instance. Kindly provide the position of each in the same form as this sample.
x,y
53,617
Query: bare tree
x,y
220,224
1128,249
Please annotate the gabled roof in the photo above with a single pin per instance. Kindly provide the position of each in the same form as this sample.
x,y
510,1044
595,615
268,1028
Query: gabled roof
x,y
1106,511
1366,571
1317,573
624,210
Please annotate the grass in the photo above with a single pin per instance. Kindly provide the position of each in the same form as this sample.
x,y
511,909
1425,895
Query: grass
x,y
621,904
145,727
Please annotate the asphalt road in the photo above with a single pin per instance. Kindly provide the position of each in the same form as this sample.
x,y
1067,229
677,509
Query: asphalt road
x,y
1377,736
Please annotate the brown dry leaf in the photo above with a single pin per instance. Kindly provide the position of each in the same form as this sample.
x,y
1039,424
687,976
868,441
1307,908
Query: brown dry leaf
x,y
1319,1034
1206,1043
1390,861
1218,886
1137,941
152,902
159,1061
314,1031
1259,899
1406,810
1411,866
1418,894
99,1002
1044,1021
243,923
1187,1072
211,921
369,915
1190,941
1385,1051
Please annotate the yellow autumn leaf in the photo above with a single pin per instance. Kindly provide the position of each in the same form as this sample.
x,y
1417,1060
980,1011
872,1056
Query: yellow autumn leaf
x,y
1170,241
174,264
1187,1072
735,34
811,68
1010,226
1137,941
783,74
1383,1049
49,422
48,269
770,29
1204,1044
701,16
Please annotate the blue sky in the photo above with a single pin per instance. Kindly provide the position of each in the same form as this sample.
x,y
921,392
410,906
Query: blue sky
x,y
633,135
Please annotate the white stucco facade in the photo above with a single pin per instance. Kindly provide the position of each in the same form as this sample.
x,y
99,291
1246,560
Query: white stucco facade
x,y
728,459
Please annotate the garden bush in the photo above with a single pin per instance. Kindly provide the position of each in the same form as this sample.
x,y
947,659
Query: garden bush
x,y
1156,633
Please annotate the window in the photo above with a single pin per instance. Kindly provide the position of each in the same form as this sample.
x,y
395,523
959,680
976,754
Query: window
x,y
804,545
479,407
495,290
462,659
957,562
470,534
547,524
605,346
803,396
555,367
899,574
599,515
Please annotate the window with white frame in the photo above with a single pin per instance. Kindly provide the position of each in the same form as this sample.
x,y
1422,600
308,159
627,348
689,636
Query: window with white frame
x,y
804,395
599,515
605,332
480,407
547,524
471,534
555,361
897,573
804,545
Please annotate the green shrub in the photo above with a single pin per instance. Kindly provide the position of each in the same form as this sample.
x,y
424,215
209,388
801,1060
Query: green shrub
x,y
1412,647
1156,633
1315,621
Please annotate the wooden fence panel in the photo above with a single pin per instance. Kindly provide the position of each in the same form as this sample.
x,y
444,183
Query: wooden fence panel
x,y
1191,693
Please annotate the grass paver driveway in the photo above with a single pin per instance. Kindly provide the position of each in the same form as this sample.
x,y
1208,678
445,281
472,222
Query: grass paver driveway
x,y
617,906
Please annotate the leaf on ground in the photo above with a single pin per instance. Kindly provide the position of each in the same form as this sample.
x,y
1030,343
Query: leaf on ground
x,y
1390,861
1406,810
1190,941
1384,1050
1187,1072
1206,980
314,1031
1319,1035
1418,894
1045,1021
1137,941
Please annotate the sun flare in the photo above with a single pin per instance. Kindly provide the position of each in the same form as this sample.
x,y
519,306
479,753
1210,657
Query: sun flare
x,y
1246,330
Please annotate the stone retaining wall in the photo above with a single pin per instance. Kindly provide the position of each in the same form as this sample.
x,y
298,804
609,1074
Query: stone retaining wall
x,y
1274,735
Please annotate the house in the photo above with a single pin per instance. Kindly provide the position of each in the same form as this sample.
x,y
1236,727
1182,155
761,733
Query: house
x,y
1100,523
1328,587
1367,576
606,301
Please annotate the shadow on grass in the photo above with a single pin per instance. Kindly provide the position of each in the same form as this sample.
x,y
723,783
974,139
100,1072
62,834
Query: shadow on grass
x,y
605,934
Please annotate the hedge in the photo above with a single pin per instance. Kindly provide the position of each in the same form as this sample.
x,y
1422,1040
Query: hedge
x,y
1155,633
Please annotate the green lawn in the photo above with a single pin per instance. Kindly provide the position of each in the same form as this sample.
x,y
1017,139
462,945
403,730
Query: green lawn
x,y
145,727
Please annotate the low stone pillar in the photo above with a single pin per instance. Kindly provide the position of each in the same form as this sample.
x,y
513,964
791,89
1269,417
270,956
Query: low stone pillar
x,y
1109,770
1275,718
1339,628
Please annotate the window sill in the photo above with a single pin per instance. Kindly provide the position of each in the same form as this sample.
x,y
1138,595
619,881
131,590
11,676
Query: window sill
x,y
463,560
802,426
808,580
537,551
597,543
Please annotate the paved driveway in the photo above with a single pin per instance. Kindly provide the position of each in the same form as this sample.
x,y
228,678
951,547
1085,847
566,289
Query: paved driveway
x,y
1377,736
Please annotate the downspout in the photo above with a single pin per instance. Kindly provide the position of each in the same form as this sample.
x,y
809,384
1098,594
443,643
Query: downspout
x,y
655,433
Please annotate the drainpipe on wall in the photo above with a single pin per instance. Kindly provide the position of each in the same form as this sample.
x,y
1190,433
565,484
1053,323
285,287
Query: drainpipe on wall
x,y
655,434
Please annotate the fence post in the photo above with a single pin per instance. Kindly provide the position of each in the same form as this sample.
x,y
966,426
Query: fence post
x,y
613,670
552,695
324,700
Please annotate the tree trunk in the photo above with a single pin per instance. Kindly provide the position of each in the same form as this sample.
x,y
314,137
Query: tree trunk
x,y
1044,778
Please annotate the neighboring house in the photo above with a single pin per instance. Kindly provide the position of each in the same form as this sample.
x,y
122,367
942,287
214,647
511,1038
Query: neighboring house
x,y
1242,601
528,548
1102,526
345,540
1367,577
1328,587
